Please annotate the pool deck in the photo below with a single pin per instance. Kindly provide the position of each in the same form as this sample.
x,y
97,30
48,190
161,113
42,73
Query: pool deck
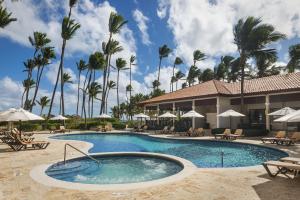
x,y
231,183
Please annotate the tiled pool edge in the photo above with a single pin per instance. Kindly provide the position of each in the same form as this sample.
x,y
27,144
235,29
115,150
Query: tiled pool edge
x,y
38,174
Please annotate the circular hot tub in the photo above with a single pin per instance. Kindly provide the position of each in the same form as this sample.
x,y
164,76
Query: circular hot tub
x,y
127,170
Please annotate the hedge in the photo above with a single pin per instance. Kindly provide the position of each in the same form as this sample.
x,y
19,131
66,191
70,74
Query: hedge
x,y
246,132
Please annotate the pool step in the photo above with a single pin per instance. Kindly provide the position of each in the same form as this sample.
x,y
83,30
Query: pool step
x,y
68,170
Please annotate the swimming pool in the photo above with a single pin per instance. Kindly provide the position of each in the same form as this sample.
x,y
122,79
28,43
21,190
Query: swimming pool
x,y
114,169
203,153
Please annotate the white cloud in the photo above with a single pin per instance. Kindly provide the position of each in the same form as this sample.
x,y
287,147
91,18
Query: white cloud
x,y
141,21
199,24
11,93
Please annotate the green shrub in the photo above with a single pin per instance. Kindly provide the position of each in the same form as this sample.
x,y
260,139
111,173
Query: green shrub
x,y
30,127
119,125
217,131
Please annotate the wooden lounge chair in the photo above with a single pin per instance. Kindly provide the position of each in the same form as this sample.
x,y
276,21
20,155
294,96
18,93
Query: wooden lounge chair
x,y
284,168
198,132
289,140
108,127
237,134
224,135
62,129
189,132
279,134
291,160
164,130
17,144
144,128
171,130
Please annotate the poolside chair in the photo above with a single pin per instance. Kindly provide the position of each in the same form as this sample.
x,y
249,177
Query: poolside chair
x,y
144,128
23,137
237,134
171,130
289,140
284,168
189,132
291,160
279,134
198,132
108,127
164,130
224,135
17,144
62,129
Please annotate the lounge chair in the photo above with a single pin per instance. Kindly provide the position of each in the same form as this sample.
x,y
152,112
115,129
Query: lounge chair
x,y
97,128
198,132
17,144
108,127
189,132
23,137
279,134
145,127
224,135
171,130
61,129
289,140
237,134
291,160
284,168
164,130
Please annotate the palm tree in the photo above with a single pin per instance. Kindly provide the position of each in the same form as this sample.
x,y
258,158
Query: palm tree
x,y
69,27
110,85
177,61
43,102
120,65
27,84
294,54
81,66
29,66
155,84
47,53
178,76
207,75
116,22
198,56
66,79
194,72
96,62
94,90
38,41
265,66
222,70
252,37
5,17
163,52
131,62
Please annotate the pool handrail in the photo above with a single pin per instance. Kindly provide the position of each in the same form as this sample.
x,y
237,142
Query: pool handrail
x,y
65,153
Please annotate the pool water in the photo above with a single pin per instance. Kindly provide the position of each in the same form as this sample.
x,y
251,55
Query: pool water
x,y
203,153
114,169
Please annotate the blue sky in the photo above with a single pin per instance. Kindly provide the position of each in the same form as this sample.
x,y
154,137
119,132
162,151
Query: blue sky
x,y
184,25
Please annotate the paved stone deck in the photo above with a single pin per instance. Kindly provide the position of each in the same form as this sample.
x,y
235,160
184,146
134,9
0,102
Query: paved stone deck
x,y
209,184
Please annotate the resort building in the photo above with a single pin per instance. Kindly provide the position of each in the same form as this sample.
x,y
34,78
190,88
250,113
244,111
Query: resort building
x,y
262,96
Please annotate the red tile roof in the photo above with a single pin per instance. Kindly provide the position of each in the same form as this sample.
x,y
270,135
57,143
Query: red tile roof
x,y
271,84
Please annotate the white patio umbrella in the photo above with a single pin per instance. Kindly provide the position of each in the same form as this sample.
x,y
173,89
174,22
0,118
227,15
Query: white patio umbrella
x,y
192,114
230,113
58,117
14,115
141,115
167,115
292,117
282,112
103,116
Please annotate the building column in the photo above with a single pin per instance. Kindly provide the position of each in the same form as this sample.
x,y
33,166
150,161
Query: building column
x,y
267,111
144,109
157,111
218,112
193,108
174,112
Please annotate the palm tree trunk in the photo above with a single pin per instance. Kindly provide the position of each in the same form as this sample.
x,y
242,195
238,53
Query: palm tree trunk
x,y
27,91
62,89
92,107
107,81
37,86
57,78
118,101
129,90
22,103
83,94
242,67
158,75
78,85
41,110
173,75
